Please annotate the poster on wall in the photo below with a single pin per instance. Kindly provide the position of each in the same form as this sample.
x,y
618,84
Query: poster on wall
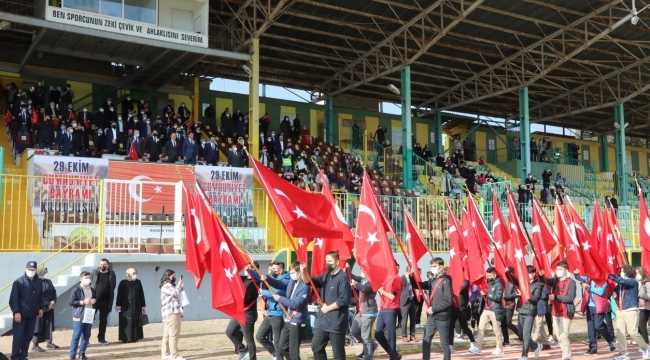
x,y
585,155
396,135
491,144
66,183
228,189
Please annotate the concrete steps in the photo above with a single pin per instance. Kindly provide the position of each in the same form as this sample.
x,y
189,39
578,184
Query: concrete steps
x,y
62,282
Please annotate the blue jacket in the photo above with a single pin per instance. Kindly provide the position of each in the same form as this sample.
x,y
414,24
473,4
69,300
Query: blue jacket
x,y
274,308
76,297
297,301
190,149
542,304
26,296
631,288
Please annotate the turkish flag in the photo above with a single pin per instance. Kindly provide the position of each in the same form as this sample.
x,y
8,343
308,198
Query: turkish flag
x,y
543,241
612,256
597,234
302,213
566,238
337,219
517,254
618,237
415,245
193,238
133,155
482,236
148,184
302,250
227,286
516,227
644,232
592,263
372,250
501,237
475,261
455,252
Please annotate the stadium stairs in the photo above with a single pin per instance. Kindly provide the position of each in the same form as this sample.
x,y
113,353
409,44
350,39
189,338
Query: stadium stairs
x,y
14,205
62,283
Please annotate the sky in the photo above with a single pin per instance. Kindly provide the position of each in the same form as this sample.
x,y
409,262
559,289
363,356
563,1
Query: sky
x,y
277,92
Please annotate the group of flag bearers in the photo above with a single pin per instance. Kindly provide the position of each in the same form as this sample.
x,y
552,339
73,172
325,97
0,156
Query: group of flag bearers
x,y
594,259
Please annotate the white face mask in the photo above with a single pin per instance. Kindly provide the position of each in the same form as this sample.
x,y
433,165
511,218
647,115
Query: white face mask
x,y
45,276
362,275
435,270
559,273
623,275
134,277
531,276
85,282
638,277
30,273
294,276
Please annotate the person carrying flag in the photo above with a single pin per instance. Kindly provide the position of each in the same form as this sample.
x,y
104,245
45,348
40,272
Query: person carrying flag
x,y
528,313
595,304
492,313
439,309
563,292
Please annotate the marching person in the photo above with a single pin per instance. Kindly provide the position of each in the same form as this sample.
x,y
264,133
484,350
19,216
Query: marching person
x,y
595,302
236,331
538,326
510,302
172,312
528,313
644,301
26,303
366,316
296,299
45,324
563,292
492,313
459,315
273,322
130,305
331,322
389,295
439,309
408,304
627,316
82,299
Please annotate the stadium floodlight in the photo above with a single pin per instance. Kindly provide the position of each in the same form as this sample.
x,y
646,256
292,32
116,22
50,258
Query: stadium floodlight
x,y
618,127
247,69
394,89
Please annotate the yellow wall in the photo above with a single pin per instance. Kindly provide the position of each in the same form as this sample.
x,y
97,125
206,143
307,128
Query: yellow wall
x,y
178,99
643,163
481,138
263,111
371,124
81,89
421,134
313,122
344,131
612,159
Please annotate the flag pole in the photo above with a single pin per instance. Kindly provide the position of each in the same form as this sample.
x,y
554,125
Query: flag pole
x,y
406,257
236,242
289,237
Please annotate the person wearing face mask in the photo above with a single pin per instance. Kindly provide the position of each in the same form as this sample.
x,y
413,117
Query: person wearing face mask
x,y
211,152
563,293
82,299
152,147
113,139
183,112
127,105
236,331
295,300
459,316
385,330
273,322
45,134
83,115
315,162
366,316
39,91
65,142
100,119
45,325
644,301
527,312
492,313
135,143
172,312
595,304
438,310
235,158
626,293
103,280
26,303
99,139
332,318
130,304
190,150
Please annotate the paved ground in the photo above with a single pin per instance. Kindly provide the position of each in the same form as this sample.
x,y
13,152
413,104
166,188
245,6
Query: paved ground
x,y
206,340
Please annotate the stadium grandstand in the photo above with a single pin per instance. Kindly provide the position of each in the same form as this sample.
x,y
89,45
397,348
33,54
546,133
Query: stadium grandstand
x,y
109,115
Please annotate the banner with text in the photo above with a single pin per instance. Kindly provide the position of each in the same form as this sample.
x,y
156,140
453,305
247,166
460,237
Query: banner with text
x,y
121,26
228,189
66,184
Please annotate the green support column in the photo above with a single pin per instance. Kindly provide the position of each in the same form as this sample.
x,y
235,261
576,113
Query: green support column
x,y
329,119
438,146
524,132
621,168
407,143
604,153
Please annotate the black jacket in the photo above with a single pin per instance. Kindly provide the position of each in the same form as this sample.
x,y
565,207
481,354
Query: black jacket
x,y
113,283
45,132
442,299
530,306
494,297
26,296
404,295
510,296
463,296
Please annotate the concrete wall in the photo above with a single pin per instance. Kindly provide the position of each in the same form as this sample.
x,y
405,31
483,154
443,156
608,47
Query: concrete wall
x,y
150,269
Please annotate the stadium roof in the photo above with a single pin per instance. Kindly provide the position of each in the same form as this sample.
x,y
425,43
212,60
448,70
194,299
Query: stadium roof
x,y
578,58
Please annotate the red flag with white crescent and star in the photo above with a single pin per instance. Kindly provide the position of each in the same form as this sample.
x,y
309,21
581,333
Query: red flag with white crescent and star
x,y
372,250
415,245
644,232
455,256
227,286
612,256
194,261
302,249
597,234
618,235
542,247
501,238
302,213
517,255
475,261
516,227
478,227
567,239
592,263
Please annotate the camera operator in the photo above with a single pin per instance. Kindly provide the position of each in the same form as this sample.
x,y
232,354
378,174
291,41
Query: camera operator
x,y
546,178
530,184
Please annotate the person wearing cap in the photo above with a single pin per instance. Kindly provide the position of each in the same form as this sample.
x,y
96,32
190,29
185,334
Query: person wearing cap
x,y
26,303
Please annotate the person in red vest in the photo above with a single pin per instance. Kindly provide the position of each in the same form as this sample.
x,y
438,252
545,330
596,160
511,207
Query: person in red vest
x,y
595,303
390,294
563,292
493,312
439,310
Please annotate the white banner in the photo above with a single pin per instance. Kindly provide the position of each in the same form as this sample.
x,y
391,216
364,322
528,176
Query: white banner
x,y
228,189
121,26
